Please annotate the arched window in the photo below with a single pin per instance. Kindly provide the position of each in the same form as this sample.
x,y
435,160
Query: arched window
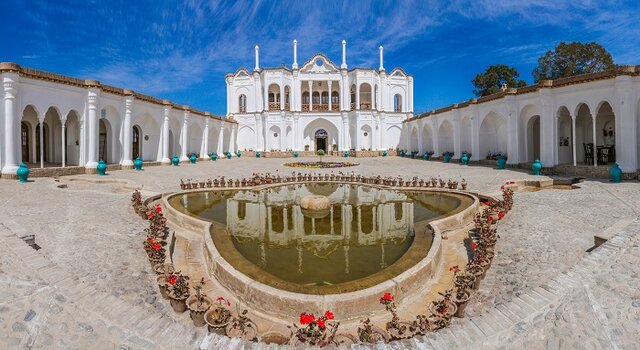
x,y
335,98
325,97
272,97
397,103
242,104
375,97
353,97
316,98
305,97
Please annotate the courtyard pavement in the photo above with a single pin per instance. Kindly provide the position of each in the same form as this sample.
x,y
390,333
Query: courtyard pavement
x,y
91,287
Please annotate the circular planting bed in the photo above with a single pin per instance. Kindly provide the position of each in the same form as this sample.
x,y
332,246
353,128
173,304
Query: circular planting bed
x,y
320,165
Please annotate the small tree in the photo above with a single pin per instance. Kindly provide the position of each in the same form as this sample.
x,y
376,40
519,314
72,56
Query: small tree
x,y
320,154
494,78
569,59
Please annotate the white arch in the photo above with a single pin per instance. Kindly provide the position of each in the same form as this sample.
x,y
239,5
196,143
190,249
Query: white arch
x,y
149,137
465,135
529,133
365,137
317,124
427,138
275,136
492,135
445,137
393,137
246,138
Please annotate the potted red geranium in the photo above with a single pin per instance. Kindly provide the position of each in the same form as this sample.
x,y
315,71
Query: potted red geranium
x,y
218,317
314,331
198,304
178,291
395,328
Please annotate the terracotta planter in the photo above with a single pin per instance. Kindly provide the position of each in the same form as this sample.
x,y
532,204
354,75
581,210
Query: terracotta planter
x,y
396,334
156,261
378,336
216,318
451,309
274,338
162,284
344,339
461,304
197,311
248,333
164,269
178,305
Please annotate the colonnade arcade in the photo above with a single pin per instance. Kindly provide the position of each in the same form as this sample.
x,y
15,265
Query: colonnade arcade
x,y
583,134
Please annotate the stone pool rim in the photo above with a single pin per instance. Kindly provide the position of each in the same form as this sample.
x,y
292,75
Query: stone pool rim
x,y
288,304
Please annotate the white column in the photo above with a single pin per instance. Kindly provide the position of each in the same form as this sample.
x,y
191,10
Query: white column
x,y
220,149
41,133
64,142
573,138
257,67
595,144
329,86
11,124
381,58
185,135
127,129
205,138
475,135
357,96
166,157
281,99
457,125
345,132
310,83
92,120
296,139
232,139
295,54
344,55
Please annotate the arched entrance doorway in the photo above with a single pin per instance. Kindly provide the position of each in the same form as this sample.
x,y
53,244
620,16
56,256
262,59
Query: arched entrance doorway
x,y
321,140
24,141
135,140
103,141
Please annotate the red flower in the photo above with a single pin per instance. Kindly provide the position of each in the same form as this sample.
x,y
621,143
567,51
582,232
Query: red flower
x,y
156,246
158,208
442,311
172,279
454,268
487,203
321,323
490,218
474,245
387,297
306,318
502,187
151,215
500,215
328,315
150,240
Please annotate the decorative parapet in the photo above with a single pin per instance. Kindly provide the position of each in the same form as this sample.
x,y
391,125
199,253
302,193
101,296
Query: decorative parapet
x,y
30,73
542,84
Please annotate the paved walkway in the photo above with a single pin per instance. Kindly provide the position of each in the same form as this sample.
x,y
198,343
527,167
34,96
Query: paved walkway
x,y
90,285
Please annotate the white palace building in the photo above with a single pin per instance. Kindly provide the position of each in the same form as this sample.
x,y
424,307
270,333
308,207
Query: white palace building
x,y
63,125
319,105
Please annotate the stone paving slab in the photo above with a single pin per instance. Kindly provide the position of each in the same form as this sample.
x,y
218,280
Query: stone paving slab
x,y
91,247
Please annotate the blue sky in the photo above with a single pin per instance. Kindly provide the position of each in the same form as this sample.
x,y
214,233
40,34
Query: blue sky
x,y
181,50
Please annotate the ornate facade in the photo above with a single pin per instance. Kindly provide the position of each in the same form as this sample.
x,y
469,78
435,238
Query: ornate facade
x,y
319,105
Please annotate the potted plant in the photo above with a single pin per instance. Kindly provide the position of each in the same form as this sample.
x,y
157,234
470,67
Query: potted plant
x,y
370,334
395,328
198,304
314,331
214,156
443,306
446,156
463,281
242,327
501,160
427,155
178,291
466,156
136,201
155,251
219,316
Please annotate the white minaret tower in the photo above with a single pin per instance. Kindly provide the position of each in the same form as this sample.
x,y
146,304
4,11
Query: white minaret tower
x,y
381,59
257,59
295,54
344,55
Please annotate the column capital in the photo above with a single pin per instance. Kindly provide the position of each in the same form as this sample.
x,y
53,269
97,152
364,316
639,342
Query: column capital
x,y
10,85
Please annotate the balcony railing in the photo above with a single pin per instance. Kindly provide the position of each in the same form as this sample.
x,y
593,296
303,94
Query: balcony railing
x,y
287,107
335,107
274,106
365,106
243,109
305,107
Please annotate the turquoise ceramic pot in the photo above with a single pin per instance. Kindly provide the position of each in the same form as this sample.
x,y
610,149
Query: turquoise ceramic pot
x,y
346,153
22,172
615,173
258,155
501,162
228,155
214,156
295,154
536,167
238,154
447,157
193,159
464,160
384,153
102,168
175,161
137,164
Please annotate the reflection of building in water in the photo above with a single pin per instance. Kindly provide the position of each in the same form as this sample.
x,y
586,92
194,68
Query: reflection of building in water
x,y
358,215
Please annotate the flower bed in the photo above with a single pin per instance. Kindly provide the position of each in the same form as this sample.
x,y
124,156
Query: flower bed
x,y
320,165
